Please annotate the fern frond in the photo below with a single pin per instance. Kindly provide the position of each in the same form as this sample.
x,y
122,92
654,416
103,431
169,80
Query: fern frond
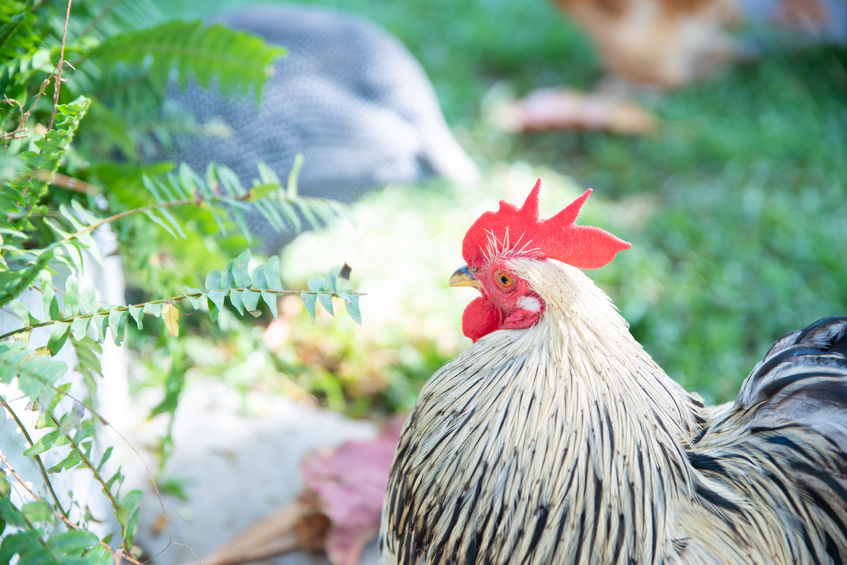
x,y
244,288
239,61
23,192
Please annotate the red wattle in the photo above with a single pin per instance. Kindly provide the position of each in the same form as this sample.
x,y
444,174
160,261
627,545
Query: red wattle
x,y
480,319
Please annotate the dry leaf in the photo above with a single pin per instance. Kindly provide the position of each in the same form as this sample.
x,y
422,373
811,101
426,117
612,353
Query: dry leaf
x,y
552,109
170,315
348,486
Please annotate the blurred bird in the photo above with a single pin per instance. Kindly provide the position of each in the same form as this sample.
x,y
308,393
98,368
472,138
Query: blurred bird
x,y
348,96
555,438
673,42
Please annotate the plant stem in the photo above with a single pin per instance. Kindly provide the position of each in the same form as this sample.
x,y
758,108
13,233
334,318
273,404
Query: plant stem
x,y
97,477
58,82
37,458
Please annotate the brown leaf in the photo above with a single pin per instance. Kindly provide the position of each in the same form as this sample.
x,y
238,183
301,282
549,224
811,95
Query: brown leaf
x,y
552,109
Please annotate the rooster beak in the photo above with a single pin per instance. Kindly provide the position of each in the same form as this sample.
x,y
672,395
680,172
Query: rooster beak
x,y
464,277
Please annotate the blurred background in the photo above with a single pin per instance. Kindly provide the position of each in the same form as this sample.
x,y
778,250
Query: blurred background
x,y
730,185
714,133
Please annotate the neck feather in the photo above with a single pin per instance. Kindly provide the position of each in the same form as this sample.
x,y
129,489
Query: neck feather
x,y
563,431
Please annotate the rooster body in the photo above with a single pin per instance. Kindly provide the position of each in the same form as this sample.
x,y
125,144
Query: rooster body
x,y
555,438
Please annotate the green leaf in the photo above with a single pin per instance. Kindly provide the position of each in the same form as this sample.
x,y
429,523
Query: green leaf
x,y
238,268
69,462
153,308
309,300
100,321
293,175
117,325
213,280
331,278
58,336
272,277
195,301
72,295
351,302
326,301
88,301
251,301
73,541
270,299
137,314
54,310
236,298
106,456
5,486
37,511
79,326
42,444
216,297
238,60
20,310
48,153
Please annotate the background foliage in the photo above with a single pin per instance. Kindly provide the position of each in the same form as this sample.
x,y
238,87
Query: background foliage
x,y
80,86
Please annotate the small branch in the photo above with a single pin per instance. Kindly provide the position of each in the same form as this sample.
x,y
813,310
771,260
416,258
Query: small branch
x,y
20,131
58,79
37,458
65,181
29,524
59,516
97,477
104,422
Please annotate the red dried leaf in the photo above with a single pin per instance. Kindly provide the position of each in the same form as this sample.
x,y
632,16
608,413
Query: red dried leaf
x,y
348,485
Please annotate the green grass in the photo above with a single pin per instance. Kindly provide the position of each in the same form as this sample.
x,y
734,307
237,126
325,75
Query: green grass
x,y
737,207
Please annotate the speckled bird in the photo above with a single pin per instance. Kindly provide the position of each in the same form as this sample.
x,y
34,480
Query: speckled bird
x,y
555,438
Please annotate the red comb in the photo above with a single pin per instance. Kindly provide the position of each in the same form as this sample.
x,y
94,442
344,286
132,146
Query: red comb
x,y
585,247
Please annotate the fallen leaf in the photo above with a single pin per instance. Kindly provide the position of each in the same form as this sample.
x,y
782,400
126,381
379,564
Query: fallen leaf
x,y
348,485
338,510
553,109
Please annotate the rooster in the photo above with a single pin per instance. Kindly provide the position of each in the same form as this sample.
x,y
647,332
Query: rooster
x,y
555,438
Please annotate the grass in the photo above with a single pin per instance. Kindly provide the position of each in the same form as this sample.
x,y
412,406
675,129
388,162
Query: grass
x,y
737,207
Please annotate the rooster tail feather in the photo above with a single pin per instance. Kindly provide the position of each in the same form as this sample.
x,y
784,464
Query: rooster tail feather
x,y
778,456
802,380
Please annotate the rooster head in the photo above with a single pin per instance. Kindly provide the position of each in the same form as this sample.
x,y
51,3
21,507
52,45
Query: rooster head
x,y
496,239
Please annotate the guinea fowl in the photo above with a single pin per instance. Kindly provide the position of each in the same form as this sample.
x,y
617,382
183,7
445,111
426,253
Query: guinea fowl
x,y
555,438
348,96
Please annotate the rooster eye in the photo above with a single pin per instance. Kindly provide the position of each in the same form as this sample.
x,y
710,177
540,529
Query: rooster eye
x,y
504,280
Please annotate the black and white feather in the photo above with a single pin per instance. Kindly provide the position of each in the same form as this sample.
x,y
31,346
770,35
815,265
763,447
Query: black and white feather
x,y
565,443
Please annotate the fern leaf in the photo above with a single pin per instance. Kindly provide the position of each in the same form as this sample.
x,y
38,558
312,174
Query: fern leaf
x,y
238,60
48,153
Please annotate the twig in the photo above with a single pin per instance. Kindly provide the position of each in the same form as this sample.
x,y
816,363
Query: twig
x,y
116,506
65,181
59,516
37,458
33,495
58,80
19,131
104,422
